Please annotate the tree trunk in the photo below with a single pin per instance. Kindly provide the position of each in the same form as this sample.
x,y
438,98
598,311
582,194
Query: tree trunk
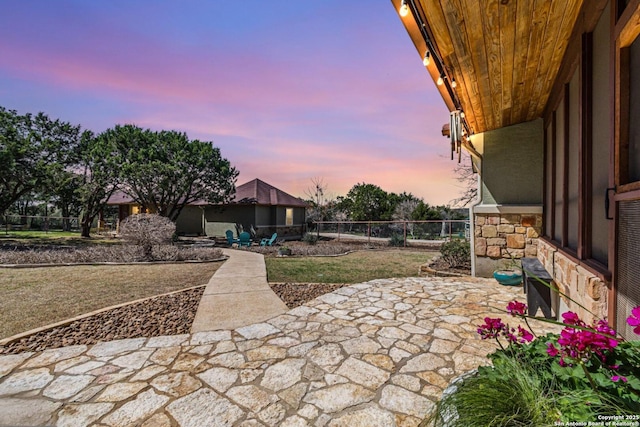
x,y
66,225
85,226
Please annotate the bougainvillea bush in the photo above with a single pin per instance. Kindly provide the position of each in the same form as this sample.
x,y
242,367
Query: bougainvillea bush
x,y
586,373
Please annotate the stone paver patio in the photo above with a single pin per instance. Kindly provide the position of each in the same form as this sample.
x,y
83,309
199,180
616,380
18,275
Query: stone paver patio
x,y
372,354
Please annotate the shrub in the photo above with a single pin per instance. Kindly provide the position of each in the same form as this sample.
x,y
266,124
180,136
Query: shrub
x,y
146,231
396,240
456,253
310,238
578,375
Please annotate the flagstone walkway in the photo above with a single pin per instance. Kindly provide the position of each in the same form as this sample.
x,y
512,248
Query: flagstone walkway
x,y
372,354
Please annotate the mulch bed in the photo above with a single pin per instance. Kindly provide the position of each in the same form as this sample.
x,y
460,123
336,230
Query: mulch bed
x,y
439,265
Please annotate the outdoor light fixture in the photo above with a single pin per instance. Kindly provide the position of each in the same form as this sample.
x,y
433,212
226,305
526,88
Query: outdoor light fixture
x,y
440,80
404,8
453,83
427,58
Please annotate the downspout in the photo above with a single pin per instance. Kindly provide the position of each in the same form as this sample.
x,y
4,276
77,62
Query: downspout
x,y
472,226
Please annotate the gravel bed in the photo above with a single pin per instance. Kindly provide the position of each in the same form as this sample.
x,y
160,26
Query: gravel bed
x,y
164,315
296,294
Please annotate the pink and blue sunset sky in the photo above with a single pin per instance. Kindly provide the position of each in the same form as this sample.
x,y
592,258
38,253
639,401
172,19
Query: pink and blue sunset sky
x,y
289,90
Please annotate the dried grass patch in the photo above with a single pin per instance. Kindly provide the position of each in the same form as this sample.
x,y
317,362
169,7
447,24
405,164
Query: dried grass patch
x,y
34,297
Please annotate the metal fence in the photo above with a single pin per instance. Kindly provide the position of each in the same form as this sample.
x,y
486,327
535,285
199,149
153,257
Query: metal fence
x,y
50,223
417,231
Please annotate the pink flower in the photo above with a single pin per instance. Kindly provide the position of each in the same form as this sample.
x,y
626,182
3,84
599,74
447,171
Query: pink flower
x,y
571,318
617,378
634,320
524,334
491,328
579,341
516,308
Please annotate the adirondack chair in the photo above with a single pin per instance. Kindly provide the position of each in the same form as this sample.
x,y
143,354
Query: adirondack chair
x,y
230,238
269,242
244,239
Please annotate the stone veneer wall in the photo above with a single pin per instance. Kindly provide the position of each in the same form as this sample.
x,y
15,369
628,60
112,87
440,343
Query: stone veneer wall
x,y
576,282
501,237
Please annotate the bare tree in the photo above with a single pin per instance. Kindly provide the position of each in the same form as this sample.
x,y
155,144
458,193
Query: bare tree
x,y
404,211
316,195
468,179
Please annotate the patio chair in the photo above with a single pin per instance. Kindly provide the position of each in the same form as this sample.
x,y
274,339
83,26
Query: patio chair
x,y
269,242
230,239
244,239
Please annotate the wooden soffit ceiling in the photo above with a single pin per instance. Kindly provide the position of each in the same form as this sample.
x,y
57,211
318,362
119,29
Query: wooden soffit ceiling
x,y
503,54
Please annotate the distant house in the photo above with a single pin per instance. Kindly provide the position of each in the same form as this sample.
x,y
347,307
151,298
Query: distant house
x,y
255,204
268,209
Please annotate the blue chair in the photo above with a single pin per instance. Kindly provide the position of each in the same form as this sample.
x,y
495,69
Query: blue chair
x,y
269,242
244,239
230,239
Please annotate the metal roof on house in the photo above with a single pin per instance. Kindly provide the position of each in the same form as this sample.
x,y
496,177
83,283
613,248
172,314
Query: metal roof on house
x,y
253,192
261,193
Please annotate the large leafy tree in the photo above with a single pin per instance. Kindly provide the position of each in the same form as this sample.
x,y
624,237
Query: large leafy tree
x,y
98,168
33,149
64,194
165,171
367,202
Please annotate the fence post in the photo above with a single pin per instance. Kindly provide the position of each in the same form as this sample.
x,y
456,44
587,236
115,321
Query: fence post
x,y
338,231
404,223
369,232
449,230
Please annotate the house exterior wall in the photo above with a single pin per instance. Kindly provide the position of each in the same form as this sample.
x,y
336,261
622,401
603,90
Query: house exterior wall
x,y
575,244
508,221
514,152
263,216
235,214
279,213
265,219
503,235
189,222
575,284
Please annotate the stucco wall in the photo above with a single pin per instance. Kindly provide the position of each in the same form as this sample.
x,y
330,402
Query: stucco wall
x,y
512,164
190,221
242,214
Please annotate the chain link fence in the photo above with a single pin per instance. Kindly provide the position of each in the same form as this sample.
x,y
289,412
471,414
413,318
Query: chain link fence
x,y
417,231
51,223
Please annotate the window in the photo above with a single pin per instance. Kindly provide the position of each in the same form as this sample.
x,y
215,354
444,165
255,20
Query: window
x,y
577,145
559,174
597,240
289,217
627,131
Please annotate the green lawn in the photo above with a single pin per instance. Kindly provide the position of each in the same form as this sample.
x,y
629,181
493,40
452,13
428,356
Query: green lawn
x,y
356,267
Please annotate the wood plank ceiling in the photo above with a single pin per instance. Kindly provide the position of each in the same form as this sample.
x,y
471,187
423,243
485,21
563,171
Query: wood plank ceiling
x,y
503,54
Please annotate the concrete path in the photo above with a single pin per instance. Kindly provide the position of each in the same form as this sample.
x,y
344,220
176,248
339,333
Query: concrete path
x,y
374,354
237,295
